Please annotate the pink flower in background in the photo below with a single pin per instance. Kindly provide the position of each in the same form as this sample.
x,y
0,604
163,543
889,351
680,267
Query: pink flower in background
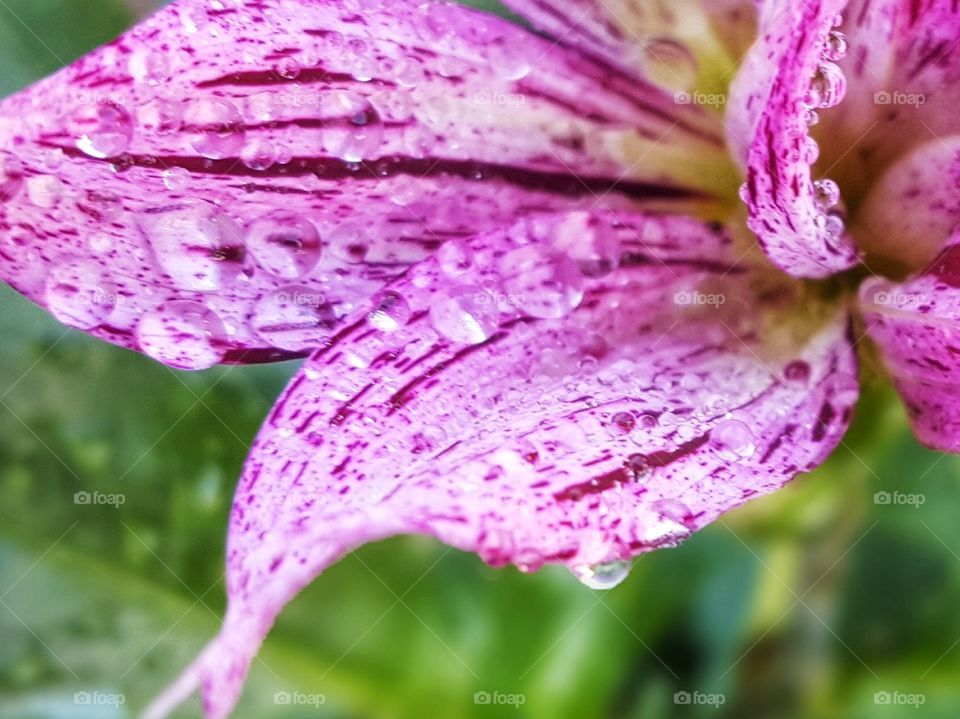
x,y
567,297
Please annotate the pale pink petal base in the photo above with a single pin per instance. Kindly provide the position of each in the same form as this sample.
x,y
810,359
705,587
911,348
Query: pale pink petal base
x,y
577,389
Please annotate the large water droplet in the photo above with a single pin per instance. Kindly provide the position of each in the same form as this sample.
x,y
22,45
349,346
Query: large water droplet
x,y
837,46
508,60
827,87
590,239
284,243
669,64
160,117
354,129
467,314
102,129
196,243
182,334
259,155
542,284
409,72
733,440
391,312
216,128
295,318
603,576
79,294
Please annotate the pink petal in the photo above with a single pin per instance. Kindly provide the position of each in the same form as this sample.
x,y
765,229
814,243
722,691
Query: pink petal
x,y
916,325
242,178
789,74
912,209
904,72
519,397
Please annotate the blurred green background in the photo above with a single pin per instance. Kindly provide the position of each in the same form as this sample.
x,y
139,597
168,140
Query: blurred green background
x,y
805,604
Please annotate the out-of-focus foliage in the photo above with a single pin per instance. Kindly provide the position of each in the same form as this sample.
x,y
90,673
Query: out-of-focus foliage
x,y
802,605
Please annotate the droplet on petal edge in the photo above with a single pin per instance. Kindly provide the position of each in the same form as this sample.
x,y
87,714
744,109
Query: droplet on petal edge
x,y
184,335
603,576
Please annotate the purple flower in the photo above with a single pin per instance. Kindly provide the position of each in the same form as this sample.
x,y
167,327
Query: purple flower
x,y
541,325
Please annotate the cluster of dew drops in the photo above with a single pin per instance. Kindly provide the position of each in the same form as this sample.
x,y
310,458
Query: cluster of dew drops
x,y
826,90
204,250
188,334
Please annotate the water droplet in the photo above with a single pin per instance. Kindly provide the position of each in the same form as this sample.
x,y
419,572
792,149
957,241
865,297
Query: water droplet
x,y
827,87
669,64
508,60
176,179
408,72
589,239
455,258
349,243
834,229
288,69
196,243
545,285
148,66
733,440
160,117
467,314
101,130
216,128
295,318
44,191
638,466
391,312
797,371
259,155
837,46
79,294
182,334
809,151
826,193
284,243
603,576
354,130
676,512
622,423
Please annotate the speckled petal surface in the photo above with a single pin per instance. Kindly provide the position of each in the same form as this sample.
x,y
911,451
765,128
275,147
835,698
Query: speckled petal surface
x,y
916,326
578,389
789,75
244,175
